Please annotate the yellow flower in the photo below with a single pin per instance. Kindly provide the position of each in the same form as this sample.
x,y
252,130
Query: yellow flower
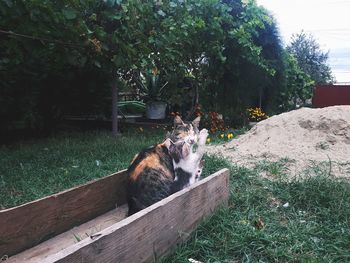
x,y
208,140
222,136
229,136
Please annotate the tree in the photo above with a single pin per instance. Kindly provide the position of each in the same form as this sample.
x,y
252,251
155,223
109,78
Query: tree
x,y
311,59
297,86
49,50
39,50
251,70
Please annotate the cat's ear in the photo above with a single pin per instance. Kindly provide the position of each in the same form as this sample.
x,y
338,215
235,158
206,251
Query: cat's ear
x,y
196,122
178,121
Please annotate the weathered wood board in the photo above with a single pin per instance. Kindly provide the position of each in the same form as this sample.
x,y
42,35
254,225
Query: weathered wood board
x,y
27,225
142,237
152,232
70,237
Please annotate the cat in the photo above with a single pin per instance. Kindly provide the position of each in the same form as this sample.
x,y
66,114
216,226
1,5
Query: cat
x,y
150,177
165,168
189,167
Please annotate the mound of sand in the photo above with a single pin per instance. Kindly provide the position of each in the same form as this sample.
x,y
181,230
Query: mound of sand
x,y
301,138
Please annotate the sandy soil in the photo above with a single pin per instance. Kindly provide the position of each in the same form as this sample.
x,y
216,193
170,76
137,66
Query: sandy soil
x,y
305,140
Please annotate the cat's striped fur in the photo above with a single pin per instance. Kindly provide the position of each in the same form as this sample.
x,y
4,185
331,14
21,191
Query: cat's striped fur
x,y
165,168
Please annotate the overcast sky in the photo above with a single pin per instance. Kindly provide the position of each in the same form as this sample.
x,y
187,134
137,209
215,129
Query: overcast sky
x,y
327,20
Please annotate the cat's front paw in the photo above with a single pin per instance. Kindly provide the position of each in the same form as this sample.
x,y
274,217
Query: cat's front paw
x,y
203,135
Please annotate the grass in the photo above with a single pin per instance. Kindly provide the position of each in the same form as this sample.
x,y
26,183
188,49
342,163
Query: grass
x,y
35,169
274,221
257,225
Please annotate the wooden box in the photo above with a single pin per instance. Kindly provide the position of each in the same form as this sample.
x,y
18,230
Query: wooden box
x,y
88,223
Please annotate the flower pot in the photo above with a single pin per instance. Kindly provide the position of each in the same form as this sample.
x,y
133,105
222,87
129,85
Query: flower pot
x,y
155,110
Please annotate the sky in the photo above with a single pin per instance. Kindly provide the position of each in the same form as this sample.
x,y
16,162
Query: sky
x,y
327,20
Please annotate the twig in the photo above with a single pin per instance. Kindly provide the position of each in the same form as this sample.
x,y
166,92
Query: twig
x,y
40,39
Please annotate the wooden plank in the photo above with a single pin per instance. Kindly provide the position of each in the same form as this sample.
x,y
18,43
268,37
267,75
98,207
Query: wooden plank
x,y
70,237
29,224
152,232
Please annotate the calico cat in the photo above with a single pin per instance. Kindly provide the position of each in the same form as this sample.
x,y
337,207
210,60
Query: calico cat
x,y
189,167
150,177
165,168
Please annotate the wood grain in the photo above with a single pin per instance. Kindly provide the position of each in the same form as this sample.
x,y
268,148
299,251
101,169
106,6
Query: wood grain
x,y
27,225
70,237
152,232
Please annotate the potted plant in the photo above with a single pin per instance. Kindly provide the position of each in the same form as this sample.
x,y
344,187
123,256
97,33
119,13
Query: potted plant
x,y
152,88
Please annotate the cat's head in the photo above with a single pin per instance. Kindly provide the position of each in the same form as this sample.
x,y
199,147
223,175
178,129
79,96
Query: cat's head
x,y
185,131
179,150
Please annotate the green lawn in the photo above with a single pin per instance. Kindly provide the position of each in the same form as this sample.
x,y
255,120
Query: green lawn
x,y
255,227
38,168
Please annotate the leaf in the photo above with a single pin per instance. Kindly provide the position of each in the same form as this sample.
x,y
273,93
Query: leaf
x,y
118,60
117,16
125,8
97,64
161,13
69,13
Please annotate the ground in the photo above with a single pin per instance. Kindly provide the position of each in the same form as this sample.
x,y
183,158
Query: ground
x,y
301,142
288,219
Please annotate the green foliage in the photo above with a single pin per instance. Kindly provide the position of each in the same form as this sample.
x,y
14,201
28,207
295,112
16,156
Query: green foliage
x,y
151,85
251,73
298,85
220,44
311,59
41,53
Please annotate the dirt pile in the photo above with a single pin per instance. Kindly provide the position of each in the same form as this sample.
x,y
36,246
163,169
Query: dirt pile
x,y
301,138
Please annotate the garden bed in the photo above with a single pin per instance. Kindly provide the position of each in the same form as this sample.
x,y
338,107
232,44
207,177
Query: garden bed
x,y
83,224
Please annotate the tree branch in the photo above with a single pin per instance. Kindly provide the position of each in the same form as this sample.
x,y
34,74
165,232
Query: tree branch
x,y
41,39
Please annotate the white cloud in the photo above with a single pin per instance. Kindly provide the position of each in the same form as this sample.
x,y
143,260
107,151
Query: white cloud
x,y
326,20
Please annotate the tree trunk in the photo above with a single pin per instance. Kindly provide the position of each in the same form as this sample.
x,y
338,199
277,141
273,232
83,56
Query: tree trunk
x,y
114,106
